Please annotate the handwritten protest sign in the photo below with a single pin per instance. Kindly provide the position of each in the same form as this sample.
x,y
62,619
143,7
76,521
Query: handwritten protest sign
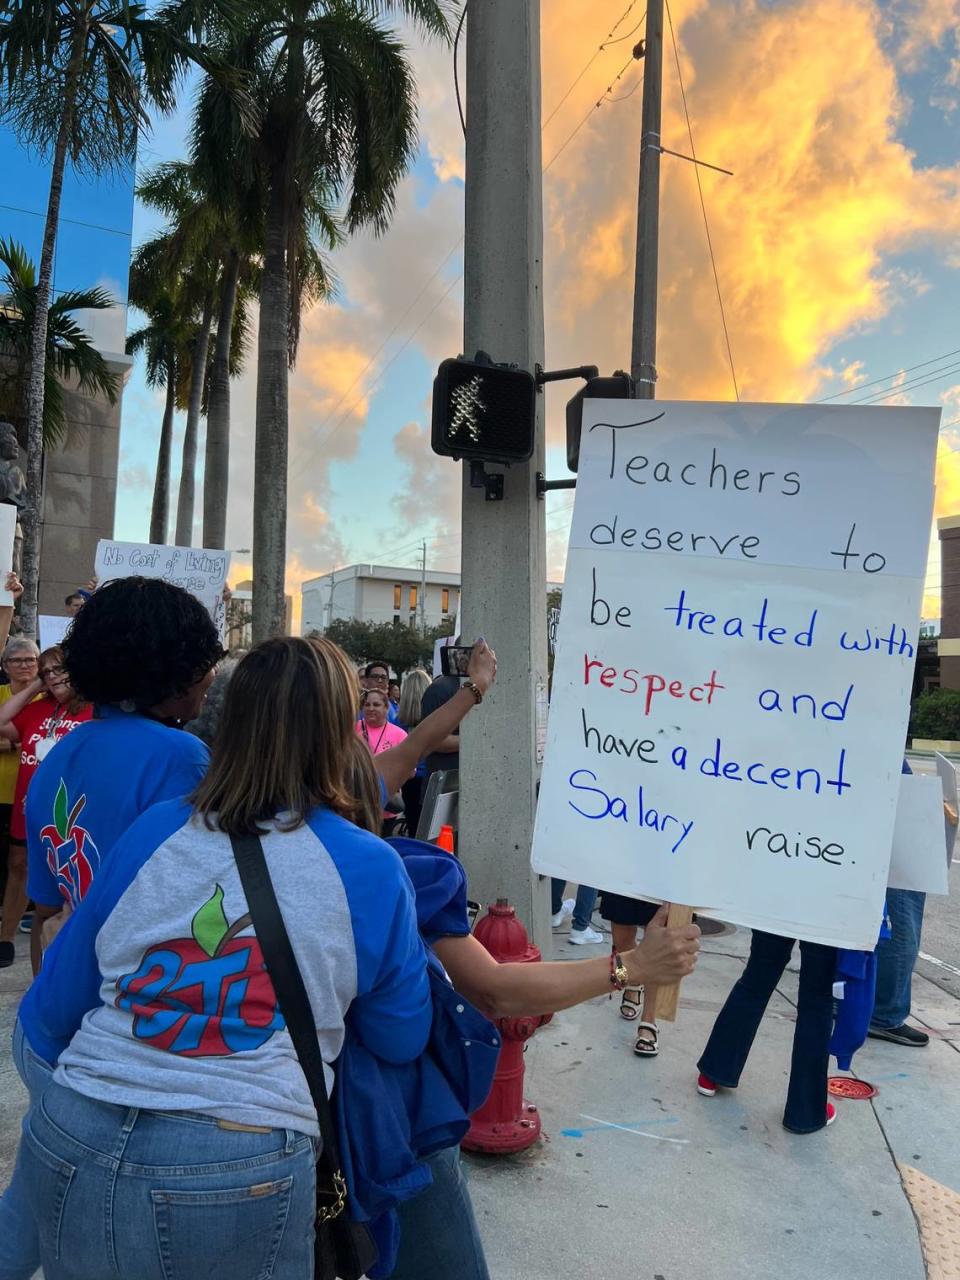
x,y
917,859
53,628
8,533
947,772
202,573
735,655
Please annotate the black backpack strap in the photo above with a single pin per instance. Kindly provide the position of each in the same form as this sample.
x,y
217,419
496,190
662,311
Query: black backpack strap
x,y
288,985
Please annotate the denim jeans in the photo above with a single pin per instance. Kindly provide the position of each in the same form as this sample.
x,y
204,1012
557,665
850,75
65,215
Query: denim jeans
x,y
150,1195
439,1239
583,907
734,1030
896,957
19,1242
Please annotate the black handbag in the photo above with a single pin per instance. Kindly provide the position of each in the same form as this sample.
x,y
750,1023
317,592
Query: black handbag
x,y
344,1248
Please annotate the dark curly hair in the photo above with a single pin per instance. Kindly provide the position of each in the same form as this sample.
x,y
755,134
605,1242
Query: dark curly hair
x,y
139,641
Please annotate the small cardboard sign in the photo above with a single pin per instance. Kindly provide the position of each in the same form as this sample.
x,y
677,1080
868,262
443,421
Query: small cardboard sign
x,y
917,859
203,573
52,629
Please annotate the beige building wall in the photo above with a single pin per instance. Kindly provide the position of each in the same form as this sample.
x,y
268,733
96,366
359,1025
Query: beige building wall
x,y
80,491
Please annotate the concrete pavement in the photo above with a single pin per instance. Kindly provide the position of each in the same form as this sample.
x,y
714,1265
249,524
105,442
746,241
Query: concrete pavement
x,y
638,1177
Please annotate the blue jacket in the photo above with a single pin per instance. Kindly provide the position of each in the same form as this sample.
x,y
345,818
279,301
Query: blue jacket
x,y
390,1118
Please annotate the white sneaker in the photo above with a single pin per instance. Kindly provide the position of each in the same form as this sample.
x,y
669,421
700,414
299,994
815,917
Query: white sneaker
x,y
579,937
566,910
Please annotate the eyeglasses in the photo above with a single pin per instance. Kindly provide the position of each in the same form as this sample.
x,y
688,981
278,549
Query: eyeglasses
x,y
28,661
53,671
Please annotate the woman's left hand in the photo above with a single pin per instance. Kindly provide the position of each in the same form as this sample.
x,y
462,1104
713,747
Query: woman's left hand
x,y
14,585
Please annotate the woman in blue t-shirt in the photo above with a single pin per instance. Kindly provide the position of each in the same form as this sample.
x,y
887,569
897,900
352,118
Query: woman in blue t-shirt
x,y
177,1098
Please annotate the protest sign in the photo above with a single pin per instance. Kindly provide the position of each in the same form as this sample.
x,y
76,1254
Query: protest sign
x,y
947,772
8,533
917,859
202,573
734,663
52,629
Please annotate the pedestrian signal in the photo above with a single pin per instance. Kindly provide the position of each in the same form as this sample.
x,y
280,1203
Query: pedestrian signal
x,y
484,411
617,387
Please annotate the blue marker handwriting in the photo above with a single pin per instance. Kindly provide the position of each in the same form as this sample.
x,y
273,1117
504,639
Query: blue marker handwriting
x,y
597,804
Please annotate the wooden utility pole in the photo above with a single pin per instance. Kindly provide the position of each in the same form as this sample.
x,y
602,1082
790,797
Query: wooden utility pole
x,y
643,356
504,543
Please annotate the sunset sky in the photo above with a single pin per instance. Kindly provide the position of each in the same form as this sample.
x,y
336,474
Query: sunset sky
x,y
837,243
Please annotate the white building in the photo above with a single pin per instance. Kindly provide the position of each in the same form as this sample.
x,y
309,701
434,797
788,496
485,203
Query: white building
x,y
379,593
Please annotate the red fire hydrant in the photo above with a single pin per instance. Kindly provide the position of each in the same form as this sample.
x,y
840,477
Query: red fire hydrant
x,y
506,1122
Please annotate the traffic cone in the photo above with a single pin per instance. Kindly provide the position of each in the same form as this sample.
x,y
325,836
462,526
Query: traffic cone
x,y
445,839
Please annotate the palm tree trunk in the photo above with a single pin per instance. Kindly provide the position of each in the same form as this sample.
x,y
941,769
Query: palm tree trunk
x,y
188,466
31,514
270,452
217,461
161,484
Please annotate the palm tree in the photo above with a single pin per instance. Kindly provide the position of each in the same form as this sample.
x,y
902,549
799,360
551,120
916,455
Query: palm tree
x,y
337,123
163,341
76,75
70,355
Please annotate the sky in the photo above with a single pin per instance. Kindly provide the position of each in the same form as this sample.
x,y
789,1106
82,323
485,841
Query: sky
x,y
835,241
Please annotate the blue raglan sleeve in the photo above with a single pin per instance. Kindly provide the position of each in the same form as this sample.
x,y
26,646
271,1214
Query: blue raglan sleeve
x,y
185,769
68,985
392,1013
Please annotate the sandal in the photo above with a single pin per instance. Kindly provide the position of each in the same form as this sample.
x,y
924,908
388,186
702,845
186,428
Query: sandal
x,y
645,1048
631,1003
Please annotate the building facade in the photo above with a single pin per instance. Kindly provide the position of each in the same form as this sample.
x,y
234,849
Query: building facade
x,y
948,646
93,249
380,593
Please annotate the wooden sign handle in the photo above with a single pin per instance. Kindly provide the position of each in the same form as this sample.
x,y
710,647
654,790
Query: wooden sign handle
x,y
669,997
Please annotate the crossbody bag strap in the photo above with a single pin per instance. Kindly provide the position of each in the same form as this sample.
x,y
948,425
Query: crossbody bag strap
x,y
290,992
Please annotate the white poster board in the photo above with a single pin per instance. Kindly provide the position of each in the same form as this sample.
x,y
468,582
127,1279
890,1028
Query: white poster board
x,y
737,638
202,573
52,629
947,773
8,534
917,859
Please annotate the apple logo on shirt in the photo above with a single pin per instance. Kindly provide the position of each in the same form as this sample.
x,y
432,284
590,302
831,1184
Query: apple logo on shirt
x,y
72,855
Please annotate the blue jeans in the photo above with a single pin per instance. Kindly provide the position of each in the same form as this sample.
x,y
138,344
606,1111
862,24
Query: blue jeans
x,y
19,1242
734,1030
151,1195
438,1231
896,957
583,907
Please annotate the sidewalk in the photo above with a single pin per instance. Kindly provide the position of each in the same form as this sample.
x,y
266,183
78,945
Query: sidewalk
x,y
639,1178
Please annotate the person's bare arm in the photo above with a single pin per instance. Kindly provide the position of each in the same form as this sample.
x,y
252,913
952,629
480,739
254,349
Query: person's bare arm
x,y
15,587
15,704
504,990
40,914
435,732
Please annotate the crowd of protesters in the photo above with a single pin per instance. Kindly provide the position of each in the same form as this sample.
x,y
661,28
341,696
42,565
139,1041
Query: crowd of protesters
x,y
172,1128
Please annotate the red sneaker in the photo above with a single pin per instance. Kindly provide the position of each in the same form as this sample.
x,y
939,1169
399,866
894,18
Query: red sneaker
x,y
706,1086
831,1113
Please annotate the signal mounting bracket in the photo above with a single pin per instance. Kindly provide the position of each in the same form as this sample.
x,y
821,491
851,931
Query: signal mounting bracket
x,y
490,481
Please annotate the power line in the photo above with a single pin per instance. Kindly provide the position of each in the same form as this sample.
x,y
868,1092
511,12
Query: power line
x,y
887,377
599,103
913,385
703,205
596,54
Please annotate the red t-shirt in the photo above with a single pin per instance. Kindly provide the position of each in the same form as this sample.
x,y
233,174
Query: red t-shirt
x,y
40,721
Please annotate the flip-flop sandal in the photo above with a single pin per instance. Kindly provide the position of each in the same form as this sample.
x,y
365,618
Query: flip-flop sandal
x,y
645,1048
630,1009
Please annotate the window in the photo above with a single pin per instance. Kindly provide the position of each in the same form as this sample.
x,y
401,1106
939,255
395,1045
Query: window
x,y
397,595
445,600
396,619
413,597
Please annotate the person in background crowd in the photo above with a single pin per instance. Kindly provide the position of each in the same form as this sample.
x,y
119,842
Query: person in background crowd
x,y
208,1115
205,725
376,675
38,723
75,602
380,735
896,959
581,908
446,755
733,1033
19,664
143,651
626,916
409,715
393,693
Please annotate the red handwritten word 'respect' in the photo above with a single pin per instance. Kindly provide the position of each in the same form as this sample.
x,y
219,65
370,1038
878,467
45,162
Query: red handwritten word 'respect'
x,y
649,685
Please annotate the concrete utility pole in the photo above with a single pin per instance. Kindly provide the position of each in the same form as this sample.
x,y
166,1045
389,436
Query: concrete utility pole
x,y
643,358
504,552
423,588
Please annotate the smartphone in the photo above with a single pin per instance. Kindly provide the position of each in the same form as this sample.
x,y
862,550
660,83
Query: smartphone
x,y
455,659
